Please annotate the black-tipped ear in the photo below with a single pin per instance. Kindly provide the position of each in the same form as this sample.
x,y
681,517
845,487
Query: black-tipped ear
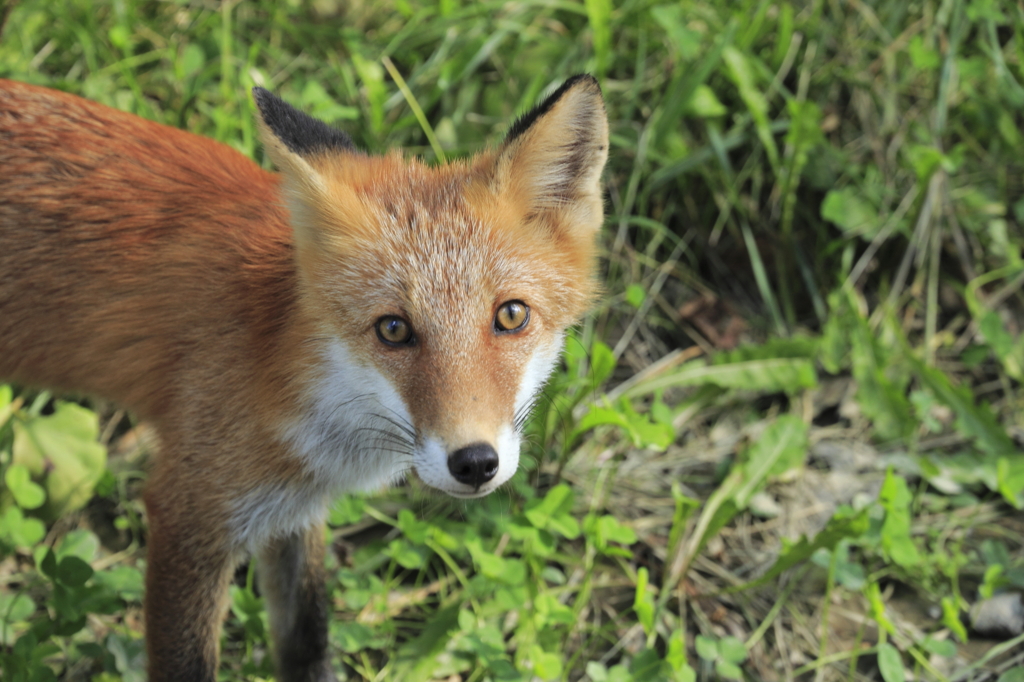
x,y
299,132
523,123
552,158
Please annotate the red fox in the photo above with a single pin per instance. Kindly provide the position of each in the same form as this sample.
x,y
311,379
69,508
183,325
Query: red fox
x,y
290,336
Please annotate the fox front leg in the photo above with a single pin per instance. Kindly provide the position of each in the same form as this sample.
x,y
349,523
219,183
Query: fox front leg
x,y
187,580
291,580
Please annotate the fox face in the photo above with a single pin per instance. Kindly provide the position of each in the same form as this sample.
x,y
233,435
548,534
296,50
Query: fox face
x,y
438,297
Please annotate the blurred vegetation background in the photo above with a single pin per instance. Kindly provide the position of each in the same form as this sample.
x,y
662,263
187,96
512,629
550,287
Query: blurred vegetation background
x,y
787,443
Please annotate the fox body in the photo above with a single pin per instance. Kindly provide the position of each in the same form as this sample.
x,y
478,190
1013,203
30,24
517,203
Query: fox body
x,y
290,336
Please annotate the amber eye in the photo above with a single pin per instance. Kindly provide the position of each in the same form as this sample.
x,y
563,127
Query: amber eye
x,y
394,331
512,316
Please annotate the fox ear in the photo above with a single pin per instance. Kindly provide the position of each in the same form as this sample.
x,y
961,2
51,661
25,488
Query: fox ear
x,y
298,133
552,157
297,143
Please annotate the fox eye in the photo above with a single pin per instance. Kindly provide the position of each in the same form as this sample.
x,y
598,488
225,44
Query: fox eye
x,y
512,316
394,331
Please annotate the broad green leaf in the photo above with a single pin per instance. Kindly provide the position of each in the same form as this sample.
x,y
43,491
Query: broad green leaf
x,y
939,647
728,670
120,36
129,657
406,554
597,416
707,648
546,665
62,449
417,531
48,564
850,574
26,493
607,529
565,525
346,510
1010,476
244,602
192,60
923,57
851,212
504,671
351,637
597,672
705,103
16,607
648,433
80,543
834,348
641,430
890,663
731,649
554,512
635,295
124,580
647,665
992,580
985,10
1015,674
73,572
505,571
781,447
549,611
602,364
675,654
925,160
897,542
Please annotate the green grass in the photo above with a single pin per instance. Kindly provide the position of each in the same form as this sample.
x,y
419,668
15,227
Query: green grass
x,y
837,188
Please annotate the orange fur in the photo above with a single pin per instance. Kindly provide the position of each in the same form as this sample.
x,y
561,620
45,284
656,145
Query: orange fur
x,y
237,311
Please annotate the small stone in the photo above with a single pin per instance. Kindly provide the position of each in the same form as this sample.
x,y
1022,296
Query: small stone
x,y
1001,616
764,506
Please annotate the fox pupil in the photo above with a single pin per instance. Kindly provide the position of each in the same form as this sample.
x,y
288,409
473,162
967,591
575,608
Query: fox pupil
x,y
394,331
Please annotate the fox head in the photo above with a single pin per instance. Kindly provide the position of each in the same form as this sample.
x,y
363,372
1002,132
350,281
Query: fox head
x,y
441,294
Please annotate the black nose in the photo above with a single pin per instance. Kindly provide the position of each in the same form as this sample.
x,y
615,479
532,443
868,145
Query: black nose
x,y
474,464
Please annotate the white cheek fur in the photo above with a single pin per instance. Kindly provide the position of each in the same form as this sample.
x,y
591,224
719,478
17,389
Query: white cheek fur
x,y
339,439
537,371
